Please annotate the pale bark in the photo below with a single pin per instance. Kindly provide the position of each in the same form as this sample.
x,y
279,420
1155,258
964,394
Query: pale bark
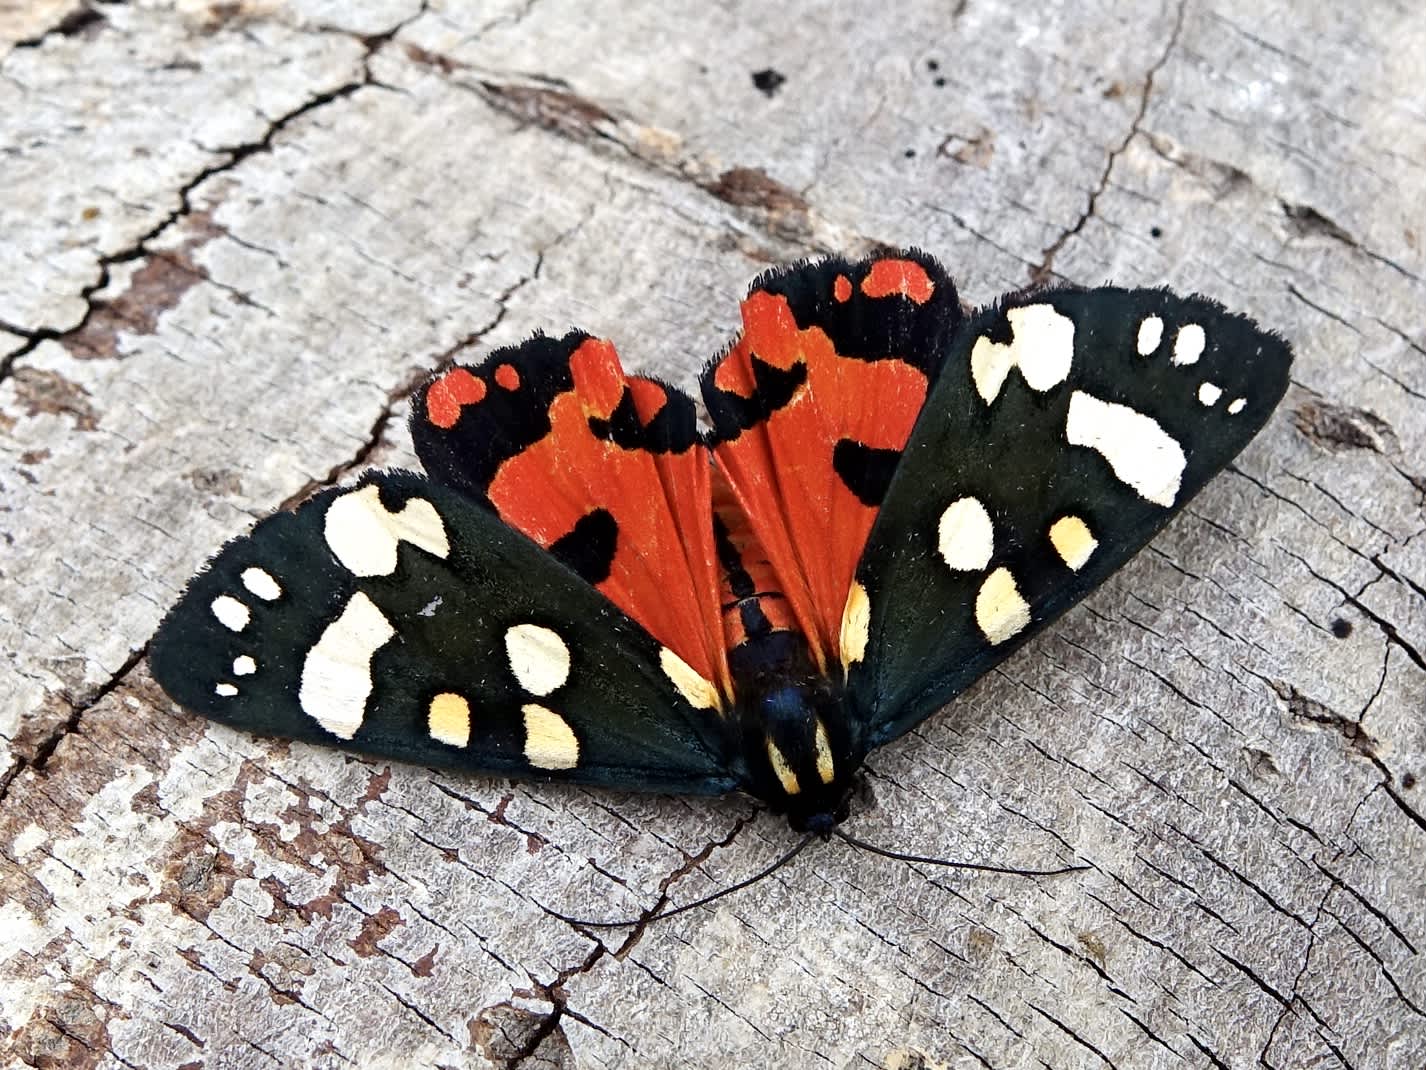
x,y
234,235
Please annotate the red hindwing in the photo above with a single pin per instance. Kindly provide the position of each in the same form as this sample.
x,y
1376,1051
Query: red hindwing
x,y
604,470
811,408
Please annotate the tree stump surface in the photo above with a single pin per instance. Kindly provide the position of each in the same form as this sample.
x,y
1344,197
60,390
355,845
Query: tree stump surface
x,y
235,236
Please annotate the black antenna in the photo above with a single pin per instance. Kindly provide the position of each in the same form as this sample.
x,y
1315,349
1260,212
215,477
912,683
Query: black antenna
x,y
903,857
769,871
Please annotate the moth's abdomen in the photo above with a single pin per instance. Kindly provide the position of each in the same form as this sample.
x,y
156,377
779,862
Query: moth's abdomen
x,y
799,748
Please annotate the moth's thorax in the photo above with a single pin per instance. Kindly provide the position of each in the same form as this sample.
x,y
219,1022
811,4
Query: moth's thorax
x,y
796,740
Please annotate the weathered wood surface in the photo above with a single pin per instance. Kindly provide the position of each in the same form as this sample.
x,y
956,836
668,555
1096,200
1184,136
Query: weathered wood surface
x,y
233,235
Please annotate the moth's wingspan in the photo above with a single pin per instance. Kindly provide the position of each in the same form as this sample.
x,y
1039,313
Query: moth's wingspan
x,y
606,471
399,618
1065,429
811,406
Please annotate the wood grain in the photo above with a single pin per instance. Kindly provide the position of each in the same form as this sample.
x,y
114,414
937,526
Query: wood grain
x,y
234,235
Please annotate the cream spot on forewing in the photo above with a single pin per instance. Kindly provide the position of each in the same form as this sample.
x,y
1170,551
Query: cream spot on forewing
x,y
780,769
231,613
856,624
1188,344
1142,454
364,535
1237,406
244,665
448,719
1209,393
1000,611
1041,346
538,658
701,694
336,675
225,690
826,767
1073,541
1151,333
550,743
261,583
965,536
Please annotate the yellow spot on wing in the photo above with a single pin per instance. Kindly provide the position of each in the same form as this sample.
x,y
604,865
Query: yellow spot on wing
x,y
449,719
1072,541
550,743
1000,611
701,694
856,624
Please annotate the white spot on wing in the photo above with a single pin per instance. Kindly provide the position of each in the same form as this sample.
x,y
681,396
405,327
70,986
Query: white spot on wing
x,y
856,624
1209,393
538,658
701,694
1188,344
550,743
225,690
364,535
336,675
244,665
261,583
1041,346
1143,455
1237,406
1001,612
231,613
1151,333
965,536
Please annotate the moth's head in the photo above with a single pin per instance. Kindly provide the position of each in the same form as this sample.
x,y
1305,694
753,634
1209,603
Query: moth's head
x,y
804,763
820,821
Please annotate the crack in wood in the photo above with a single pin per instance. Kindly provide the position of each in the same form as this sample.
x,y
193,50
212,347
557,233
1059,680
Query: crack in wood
x,y
1044,270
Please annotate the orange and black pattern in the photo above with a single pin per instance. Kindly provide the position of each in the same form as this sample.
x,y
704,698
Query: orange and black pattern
x,y
893,497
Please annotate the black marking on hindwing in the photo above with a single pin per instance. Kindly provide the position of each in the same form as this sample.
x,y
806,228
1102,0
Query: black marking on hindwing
x,y
865,470
589,546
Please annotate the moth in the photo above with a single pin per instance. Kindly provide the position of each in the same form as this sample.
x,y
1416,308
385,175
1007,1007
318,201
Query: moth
x,y
893,496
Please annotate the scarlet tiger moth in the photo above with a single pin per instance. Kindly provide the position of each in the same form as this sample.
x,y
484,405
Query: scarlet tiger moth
x,y
894,496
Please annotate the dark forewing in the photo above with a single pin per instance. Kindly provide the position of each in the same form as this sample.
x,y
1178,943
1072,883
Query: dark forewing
x,y
1066,427
399,618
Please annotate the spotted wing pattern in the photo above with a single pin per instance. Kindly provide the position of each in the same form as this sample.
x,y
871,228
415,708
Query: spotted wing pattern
x,y
400,618
1065,429
902,498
